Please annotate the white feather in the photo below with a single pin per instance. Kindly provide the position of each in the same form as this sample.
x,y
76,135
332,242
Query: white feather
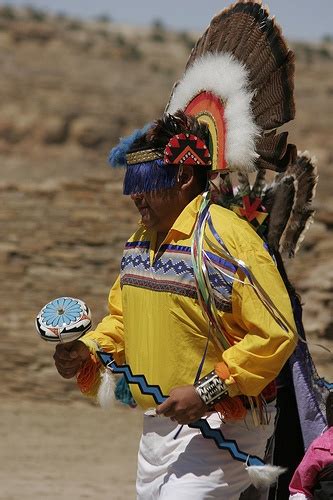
x,y
227,78
105,395
298,496
262,476
308,156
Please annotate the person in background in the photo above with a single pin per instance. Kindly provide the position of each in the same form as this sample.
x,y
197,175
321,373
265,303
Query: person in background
x,y
313,478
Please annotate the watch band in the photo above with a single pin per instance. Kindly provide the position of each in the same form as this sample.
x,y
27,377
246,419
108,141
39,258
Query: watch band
x,y
211,389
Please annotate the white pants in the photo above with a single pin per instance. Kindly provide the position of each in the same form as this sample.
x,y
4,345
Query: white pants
x,y
191,467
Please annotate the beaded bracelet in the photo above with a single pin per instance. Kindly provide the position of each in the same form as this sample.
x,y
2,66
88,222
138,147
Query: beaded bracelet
x,y
211,389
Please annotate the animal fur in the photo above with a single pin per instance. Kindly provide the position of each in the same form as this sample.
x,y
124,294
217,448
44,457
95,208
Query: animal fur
x,y
289,203
243,58
304,171
264,475
226,77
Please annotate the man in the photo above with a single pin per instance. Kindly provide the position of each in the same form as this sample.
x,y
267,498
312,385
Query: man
x,y
159,325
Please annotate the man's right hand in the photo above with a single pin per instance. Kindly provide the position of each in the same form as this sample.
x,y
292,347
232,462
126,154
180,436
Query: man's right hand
x,y
70,357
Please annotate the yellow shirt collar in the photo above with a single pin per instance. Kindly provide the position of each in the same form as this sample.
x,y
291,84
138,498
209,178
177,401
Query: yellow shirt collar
x,y
186,220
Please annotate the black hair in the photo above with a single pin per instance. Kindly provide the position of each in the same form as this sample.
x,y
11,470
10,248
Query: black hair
x,y
155,175
166,127
329,409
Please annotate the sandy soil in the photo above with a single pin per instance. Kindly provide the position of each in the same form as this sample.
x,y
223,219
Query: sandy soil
x,y
67,451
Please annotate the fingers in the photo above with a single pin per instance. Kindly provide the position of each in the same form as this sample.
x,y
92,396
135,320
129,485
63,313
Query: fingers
x,y
181,417
69,372
186,419
61,352
67,368
68,358
171,410
79,350
183,405
166,408
71,351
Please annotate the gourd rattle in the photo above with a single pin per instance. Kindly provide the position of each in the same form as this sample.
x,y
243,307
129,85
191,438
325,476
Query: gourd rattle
x,y
64,319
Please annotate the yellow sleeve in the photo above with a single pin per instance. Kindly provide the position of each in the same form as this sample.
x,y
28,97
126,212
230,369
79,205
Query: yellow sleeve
x,y
109,333
259,356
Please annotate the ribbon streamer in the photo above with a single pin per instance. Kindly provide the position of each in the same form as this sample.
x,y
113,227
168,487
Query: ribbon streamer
x,y
203,285
155,391
199,257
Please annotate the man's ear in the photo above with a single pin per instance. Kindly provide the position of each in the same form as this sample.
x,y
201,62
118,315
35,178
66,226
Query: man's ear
x,y
185,177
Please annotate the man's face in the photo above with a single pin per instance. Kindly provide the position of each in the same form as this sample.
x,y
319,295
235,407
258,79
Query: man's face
x,y
158,209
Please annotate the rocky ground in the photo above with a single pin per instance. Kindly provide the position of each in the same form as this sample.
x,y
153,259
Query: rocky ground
x,y
68,91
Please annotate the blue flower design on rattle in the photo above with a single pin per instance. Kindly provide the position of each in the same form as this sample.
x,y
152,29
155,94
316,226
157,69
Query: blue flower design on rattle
x,y
63,320
61,312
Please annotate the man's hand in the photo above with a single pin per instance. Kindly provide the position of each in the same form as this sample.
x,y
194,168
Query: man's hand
x,y
184,405
70,357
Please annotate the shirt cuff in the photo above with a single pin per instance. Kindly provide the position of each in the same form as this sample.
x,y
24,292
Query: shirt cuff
x,y
91,344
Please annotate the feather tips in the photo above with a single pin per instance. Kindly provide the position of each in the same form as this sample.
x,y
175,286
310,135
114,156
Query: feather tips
x,y
305,174
272,146
105,395
288,202
279,201
117,156
259,184
263,476
281,164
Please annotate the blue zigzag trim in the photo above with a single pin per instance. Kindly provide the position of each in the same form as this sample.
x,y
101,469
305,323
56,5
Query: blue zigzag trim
x,y
140,380
201,424
223,443
321,382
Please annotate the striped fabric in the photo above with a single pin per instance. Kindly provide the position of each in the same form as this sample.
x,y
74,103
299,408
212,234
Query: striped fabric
x,y
172,271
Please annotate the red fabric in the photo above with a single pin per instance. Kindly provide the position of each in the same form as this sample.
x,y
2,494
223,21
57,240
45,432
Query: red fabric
x,y
270,392
186,149
87,377
231,408
318,455
222,370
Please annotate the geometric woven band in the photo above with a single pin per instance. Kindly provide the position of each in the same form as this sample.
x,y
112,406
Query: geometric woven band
x,y
187,149
182,149
211,389
144,156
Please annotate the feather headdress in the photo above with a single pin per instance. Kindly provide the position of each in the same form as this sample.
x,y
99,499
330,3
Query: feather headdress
x,y
242,61
239,81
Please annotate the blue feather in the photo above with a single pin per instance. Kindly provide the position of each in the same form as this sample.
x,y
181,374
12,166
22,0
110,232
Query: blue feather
x,y
123,393
149,176
117,156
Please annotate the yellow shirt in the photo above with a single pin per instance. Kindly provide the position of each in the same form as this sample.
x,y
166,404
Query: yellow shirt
x,y
156,324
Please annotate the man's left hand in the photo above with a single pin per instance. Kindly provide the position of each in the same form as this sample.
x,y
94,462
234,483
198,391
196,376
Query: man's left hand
x,y
184,405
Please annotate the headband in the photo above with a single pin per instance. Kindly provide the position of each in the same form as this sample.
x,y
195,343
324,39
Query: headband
x,y
182,149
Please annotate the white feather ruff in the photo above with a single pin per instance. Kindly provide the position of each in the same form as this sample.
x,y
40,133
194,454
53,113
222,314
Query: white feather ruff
x,y
298,496
227,78
105,395
262,476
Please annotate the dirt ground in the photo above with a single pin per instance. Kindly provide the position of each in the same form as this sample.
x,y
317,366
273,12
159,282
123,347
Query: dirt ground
x,y
71,451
